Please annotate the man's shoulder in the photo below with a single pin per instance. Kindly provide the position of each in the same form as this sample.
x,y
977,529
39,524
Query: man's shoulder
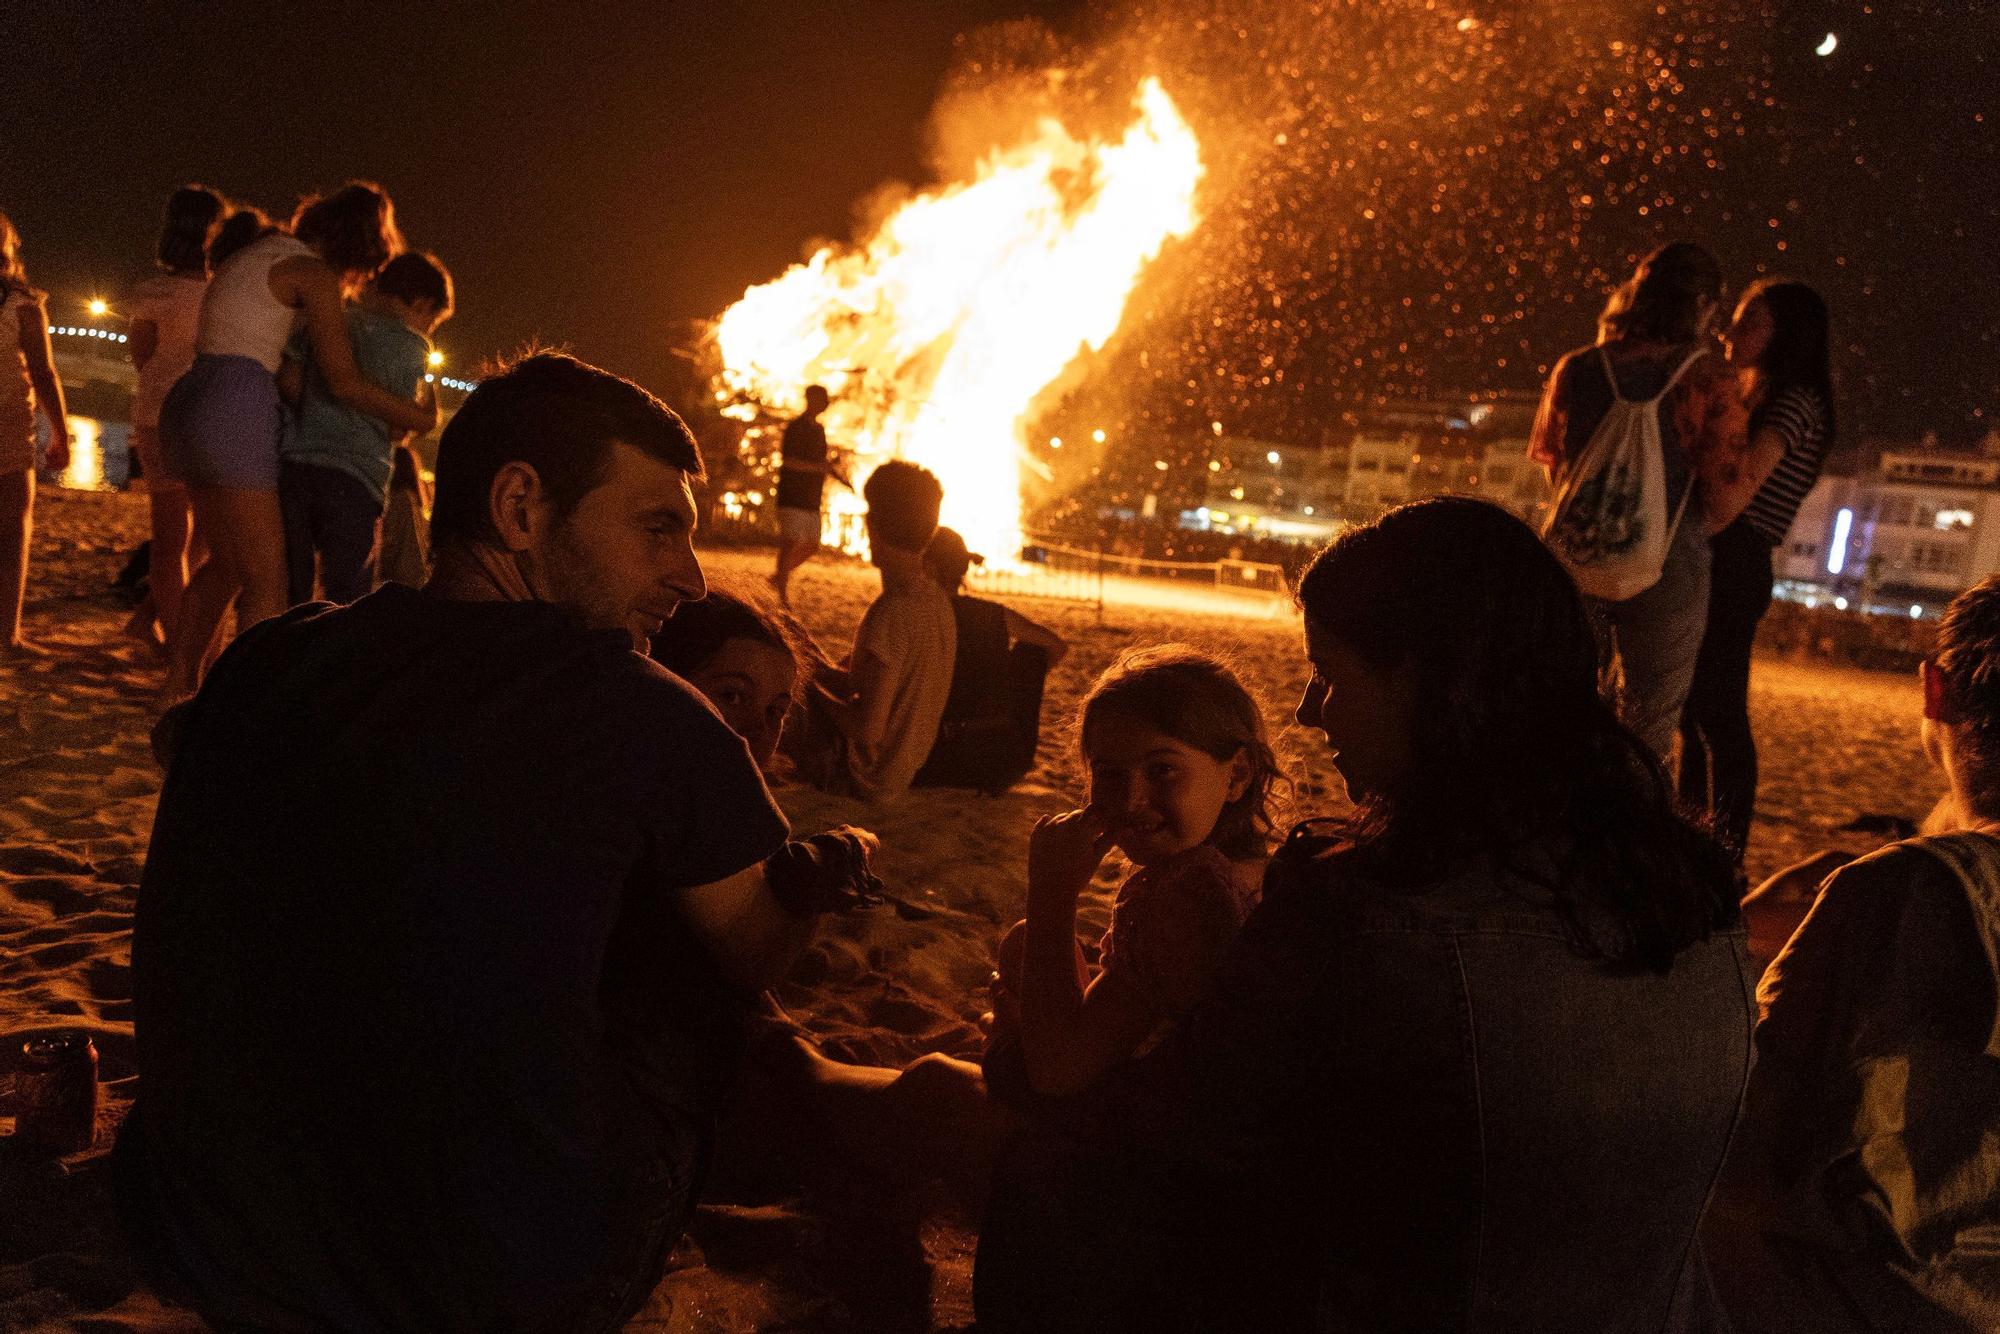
x,y
910,605
1912,867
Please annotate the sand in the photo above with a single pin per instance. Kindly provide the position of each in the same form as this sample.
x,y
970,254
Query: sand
x,y
77,788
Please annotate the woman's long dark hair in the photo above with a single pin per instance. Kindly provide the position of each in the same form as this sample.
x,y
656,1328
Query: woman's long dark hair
x,y
1800,352
1661,301
1516,756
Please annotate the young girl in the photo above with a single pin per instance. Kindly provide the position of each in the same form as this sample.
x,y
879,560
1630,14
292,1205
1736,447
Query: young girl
x,y
27,382
1180,781
219,425
743,658
165,310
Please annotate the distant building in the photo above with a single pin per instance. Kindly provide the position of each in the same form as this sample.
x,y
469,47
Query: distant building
x,y
1392,454
1903,536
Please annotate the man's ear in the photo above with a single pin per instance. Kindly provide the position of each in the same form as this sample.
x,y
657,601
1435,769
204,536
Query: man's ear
x,y
513,503
1937,693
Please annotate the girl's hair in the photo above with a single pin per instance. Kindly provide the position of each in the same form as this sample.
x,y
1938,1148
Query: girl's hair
x,y
1197,700
188,227
1661,301
1516,756
696,632
13,274
1800,353
245,223
353,229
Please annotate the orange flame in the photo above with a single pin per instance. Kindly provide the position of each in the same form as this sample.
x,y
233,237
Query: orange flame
x,y
937,334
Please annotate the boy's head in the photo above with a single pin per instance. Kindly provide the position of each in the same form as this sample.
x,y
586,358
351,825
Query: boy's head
x,y
1962,697
580,479
903,503
417,290
816,399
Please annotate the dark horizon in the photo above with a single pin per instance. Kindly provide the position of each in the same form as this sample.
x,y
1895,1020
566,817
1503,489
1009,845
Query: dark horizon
x,y
601,180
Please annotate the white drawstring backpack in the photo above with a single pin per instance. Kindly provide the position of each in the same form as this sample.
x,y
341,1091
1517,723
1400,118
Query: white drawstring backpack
x,y
1610,524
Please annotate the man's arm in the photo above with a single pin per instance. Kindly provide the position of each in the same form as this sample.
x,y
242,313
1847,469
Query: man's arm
x,y
739,921
865,716
1034,632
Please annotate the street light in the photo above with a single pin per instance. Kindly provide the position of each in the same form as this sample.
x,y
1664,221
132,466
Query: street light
x,y
98,307
436,358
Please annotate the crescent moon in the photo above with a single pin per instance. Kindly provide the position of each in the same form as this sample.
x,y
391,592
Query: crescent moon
x,y
1826,47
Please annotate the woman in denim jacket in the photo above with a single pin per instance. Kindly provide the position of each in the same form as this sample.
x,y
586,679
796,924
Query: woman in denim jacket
x,y
1474,1062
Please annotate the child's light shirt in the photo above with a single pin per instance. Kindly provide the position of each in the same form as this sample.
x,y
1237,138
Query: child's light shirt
x,y
171,302
1171,922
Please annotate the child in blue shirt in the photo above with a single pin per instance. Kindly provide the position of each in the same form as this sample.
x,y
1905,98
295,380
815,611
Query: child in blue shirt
x,y
334,462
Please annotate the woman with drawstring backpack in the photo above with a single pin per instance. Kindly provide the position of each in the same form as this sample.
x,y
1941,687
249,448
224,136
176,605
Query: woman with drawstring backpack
x,y
1645,435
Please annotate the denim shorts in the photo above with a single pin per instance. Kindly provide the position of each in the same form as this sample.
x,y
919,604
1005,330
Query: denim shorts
x,y
220,424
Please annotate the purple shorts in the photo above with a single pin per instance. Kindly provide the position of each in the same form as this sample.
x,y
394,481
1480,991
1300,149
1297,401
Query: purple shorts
x,y
220,423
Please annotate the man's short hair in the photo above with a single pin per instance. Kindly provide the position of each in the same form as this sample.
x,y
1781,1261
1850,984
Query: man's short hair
x,y
1968,653
414,276
559,416
903,503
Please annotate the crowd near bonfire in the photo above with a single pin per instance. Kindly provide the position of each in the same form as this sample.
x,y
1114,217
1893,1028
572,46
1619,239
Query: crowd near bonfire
x,y
451,894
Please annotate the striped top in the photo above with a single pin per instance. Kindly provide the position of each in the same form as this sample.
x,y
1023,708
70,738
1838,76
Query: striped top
x,y
1800,418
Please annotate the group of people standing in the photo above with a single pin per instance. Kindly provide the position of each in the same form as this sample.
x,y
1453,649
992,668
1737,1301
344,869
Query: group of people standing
x,y
279,368
1743,434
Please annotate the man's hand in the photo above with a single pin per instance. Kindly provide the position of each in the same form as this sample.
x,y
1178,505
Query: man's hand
x,y
1064,852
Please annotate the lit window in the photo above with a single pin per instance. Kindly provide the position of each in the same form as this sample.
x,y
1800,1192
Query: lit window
x,y
1953,520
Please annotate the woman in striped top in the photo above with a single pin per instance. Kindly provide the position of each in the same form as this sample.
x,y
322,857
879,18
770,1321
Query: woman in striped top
x,y
1778,345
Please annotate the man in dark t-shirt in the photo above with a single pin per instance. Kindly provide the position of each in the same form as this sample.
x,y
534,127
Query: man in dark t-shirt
x,y
452,906
802,468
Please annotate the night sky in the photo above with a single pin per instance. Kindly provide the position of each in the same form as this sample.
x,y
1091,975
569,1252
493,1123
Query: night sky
x,y
1404,197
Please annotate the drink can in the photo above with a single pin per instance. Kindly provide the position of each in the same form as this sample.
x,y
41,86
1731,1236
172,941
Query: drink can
x,y
55,1093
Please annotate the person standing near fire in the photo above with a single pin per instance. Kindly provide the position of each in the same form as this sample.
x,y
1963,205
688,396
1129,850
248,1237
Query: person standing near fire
x,y
802,470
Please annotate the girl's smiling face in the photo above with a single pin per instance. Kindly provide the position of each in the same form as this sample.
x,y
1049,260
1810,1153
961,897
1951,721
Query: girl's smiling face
x,y
1158,795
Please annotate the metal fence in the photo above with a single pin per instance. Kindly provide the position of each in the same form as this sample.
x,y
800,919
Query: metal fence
x,y
1050,569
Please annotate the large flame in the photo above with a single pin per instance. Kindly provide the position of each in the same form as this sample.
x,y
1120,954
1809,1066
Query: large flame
x,y
936,335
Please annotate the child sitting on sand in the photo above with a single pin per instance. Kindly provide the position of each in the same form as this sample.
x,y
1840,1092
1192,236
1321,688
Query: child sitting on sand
x,y
1180,781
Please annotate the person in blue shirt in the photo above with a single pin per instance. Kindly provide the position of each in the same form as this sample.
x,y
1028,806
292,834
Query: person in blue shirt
x,y
335,462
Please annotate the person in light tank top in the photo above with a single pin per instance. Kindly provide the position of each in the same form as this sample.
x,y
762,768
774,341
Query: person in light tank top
x,y
27,383
219,425
164,311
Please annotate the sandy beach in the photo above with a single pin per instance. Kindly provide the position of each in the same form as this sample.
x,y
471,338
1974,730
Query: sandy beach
x,y
77,791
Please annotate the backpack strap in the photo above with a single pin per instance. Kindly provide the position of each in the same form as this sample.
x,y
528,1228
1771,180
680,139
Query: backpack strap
x,y
1679,371
1610,374
1665,389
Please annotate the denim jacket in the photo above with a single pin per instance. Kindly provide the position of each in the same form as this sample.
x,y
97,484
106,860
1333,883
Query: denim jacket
x,y
1454,1119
